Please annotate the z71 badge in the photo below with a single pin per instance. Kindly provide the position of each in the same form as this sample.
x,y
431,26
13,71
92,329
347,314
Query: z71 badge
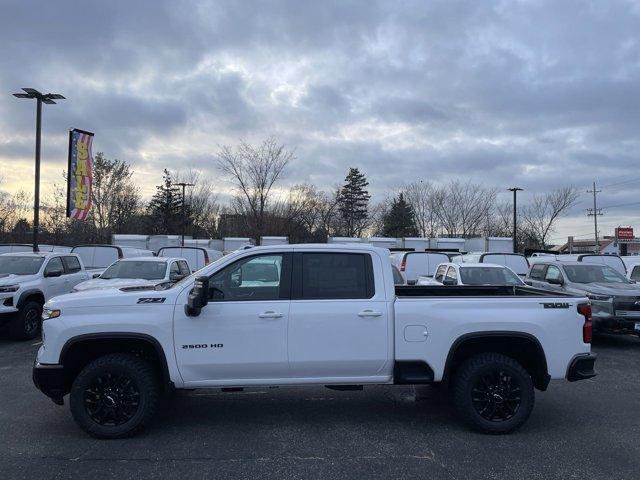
x,y
152,300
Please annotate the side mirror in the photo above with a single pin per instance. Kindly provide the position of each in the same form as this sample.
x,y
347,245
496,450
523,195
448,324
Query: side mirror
x,y
176,277
54,273
96,275
448,281
555,281
198,297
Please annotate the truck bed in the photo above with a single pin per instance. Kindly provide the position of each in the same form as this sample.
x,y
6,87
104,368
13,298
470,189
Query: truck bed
x,y
474,291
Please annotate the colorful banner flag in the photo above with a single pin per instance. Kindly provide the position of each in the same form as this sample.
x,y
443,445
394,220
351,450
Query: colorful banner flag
x,y
79,174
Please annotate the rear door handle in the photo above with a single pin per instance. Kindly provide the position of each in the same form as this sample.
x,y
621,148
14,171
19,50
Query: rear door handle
x,y
369,313
270,314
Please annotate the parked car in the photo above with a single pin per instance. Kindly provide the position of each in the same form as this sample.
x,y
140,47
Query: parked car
x,y
138,271
633,271
414,264
27,281
331,316
615,300
454,273
614,261
97,258
515,261
197,257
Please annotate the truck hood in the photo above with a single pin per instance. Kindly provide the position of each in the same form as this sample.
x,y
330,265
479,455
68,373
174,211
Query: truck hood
x,y
611,289
11,279
114,283
111,297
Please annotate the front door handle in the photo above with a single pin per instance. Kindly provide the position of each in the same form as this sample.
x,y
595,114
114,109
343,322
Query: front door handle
x,y
270,314
369,313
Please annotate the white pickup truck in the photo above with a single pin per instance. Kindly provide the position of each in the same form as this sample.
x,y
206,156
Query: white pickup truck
x,y
27,280
308,315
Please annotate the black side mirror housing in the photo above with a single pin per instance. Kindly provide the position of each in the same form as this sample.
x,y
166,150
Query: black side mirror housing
x,y
555,281
198,297
55,273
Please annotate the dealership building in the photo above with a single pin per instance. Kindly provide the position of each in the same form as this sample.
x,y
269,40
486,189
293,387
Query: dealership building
x,y
622,242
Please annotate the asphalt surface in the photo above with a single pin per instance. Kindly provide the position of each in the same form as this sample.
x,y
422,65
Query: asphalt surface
x,y
583,430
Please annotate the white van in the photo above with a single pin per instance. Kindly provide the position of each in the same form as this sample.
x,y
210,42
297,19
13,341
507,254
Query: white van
x,y
197,257
414,264
515,261
97,258
15,247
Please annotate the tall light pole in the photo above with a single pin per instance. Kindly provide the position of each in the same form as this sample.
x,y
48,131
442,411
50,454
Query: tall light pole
x,y
515,191
41,98
184,215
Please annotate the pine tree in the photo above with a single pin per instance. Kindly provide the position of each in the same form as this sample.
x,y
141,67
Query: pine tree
x,y
353,202
400,220
165,208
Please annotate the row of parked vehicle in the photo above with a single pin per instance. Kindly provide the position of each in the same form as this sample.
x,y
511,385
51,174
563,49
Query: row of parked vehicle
x,y
609,281
28,279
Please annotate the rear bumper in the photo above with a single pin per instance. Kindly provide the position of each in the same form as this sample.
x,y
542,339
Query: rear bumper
x,y
581,367
617,324
49,379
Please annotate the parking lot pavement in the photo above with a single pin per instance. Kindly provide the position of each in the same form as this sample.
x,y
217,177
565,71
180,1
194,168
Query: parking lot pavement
x,y
585,430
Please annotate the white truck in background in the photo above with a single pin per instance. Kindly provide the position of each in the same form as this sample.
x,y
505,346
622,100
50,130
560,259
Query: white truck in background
x,y
308,315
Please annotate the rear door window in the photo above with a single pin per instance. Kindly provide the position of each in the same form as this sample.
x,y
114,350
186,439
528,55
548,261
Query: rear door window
x,y
537,271
440,273
553,273
71,264
451,276
328,276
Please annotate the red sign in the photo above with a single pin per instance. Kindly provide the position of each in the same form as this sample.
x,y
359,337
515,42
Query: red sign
x,y
624,233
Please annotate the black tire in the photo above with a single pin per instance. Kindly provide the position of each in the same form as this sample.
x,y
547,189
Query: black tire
x,y
493,393
115,396
27,323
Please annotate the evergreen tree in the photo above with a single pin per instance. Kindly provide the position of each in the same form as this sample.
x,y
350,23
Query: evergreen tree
x,y
165,208
400,220
353,202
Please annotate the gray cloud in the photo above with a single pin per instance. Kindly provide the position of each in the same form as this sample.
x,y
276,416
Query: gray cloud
x,y
538,93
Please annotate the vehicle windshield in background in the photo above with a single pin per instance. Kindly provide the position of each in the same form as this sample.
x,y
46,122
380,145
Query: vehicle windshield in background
x,y
20,265
488,276
133,269
593,274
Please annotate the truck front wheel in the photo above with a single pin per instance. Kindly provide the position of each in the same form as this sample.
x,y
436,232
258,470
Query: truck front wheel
x,y
493,393
26,323
114,396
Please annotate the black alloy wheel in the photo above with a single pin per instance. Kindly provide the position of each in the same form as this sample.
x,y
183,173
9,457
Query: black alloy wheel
x,y
496,396
112,399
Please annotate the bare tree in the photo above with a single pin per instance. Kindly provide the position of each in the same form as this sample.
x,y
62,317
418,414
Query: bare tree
x,y
463,208
203,202
115,198
253,170
424,200
540,216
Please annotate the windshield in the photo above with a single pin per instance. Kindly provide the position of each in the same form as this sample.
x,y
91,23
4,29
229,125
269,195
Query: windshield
x,y
488,276
135,269
593,274
195,274
20,265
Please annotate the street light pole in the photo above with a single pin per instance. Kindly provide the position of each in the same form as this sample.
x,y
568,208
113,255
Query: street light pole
x,y
515,191
40,99
184,214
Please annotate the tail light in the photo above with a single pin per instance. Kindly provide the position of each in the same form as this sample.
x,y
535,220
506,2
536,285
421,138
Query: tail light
x,y
584,309
403,265
206,259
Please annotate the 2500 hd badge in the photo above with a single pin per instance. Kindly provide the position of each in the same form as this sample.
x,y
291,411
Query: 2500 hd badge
x,y
203,345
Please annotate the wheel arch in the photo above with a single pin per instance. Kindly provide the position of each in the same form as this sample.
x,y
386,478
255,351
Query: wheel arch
x,y
78,351
522,347
32,293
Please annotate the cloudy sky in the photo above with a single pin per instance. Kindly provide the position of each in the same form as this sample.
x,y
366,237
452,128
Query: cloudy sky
x,y
530,93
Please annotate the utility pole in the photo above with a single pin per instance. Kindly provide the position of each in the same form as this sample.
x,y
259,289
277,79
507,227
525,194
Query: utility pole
x,y
184,214
515,191
40,99
595,212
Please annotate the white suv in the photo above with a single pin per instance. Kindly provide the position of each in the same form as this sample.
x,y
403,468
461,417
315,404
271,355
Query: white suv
x,y
28,280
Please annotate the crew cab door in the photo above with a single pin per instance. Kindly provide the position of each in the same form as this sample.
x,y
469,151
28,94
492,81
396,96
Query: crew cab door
x,y
240,336
339,321
54,280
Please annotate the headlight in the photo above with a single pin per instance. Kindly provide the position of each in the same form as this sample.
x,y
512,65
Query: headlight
x,y
9,288
48,313
600,298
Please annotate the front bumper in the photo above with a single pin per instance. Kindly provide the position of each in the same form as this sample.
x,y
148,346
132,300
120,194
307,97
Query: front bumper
x,y
581,367
616,324
50,380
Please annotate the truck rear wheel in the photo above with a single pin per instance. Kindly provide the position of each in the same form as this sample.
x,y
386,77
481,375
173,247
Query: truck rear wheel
x,y
493,393
27,322
114,396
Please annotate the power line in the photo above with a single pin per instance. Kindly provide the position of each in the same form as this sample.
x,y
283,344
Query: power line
x,y
631,180
621,205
